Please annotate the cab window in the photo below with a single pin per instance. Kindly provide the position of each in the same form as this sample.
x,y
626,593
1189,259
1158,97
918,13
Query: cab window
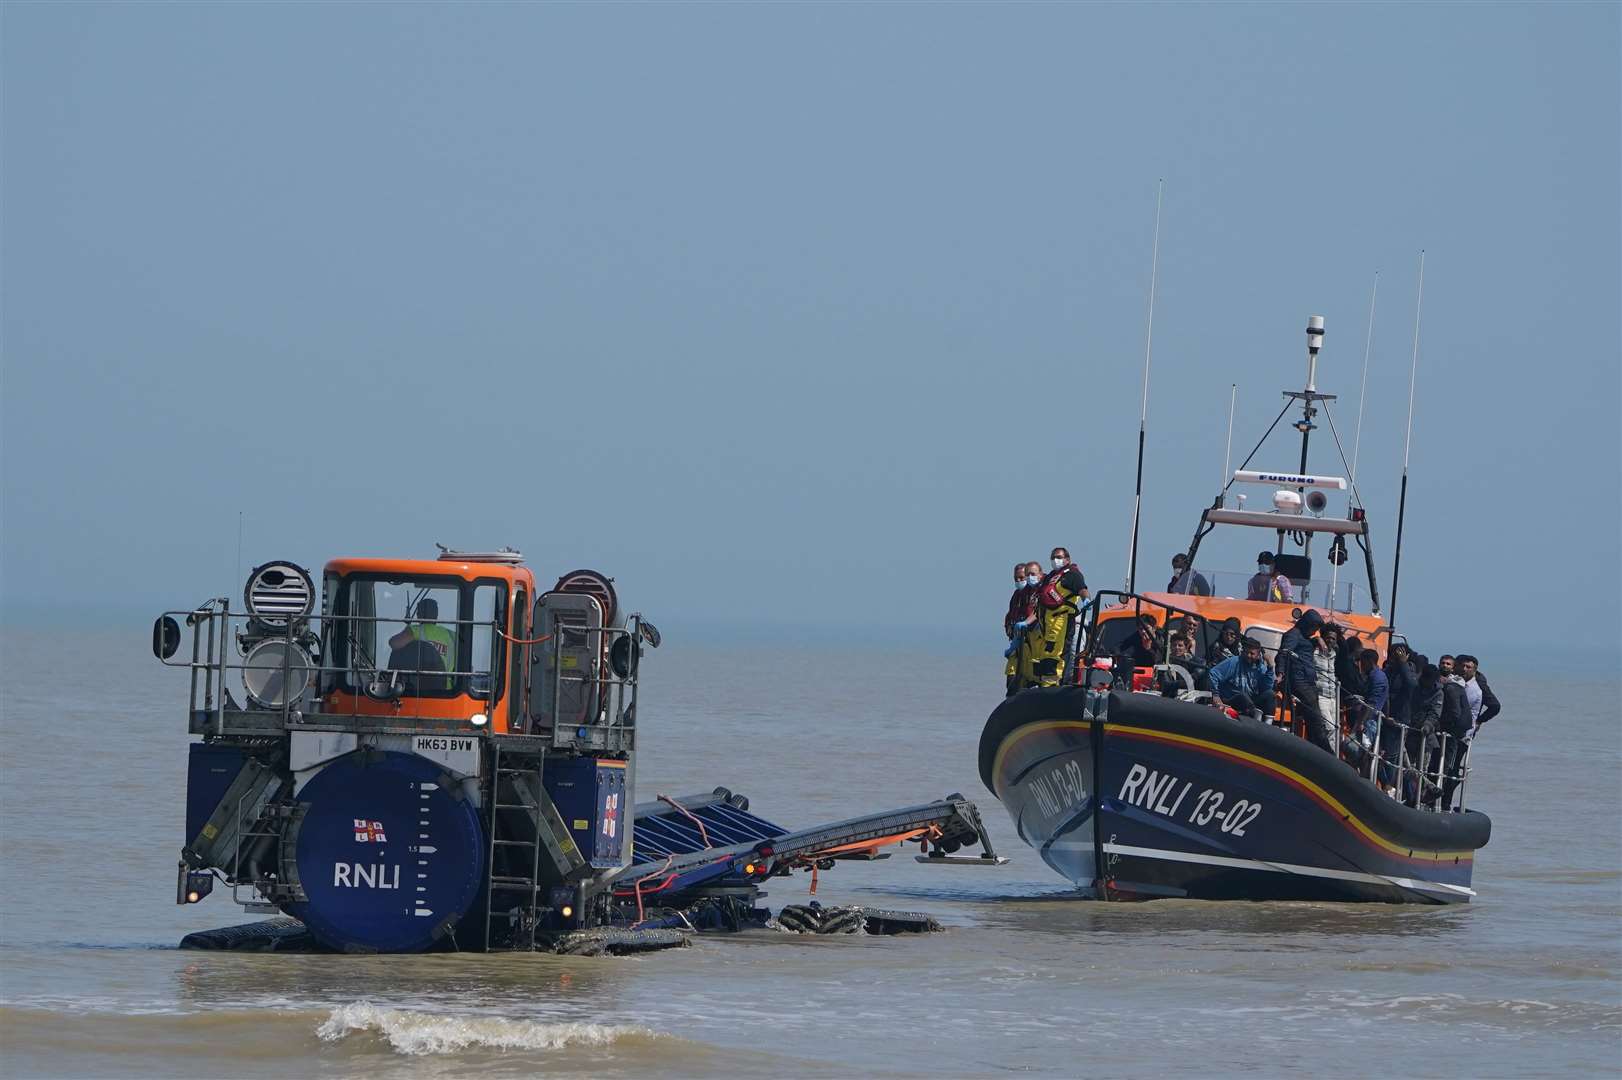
x,y
435,633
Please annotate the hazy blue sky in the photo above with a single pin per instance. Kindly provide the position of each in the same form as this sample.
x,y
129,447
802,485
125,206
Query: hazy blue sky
x,y
819,313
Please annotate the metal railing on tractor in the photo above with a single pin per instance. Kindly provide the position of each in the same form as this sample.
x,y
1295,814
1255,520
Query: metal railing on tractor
x,y
300,685
307,683
1425,782
607,690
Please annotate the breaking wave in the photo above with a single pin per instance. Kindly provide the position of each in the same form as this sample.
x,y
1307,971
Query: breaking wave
x,y
409,1032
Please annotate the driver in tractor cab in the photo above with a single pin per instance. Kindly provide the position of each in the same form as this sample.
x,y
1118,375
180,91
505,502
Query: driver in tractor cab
x,y
423,645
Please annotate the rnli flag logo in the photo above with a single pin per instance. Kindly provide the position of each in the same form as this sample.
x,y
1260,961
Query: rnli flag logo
x,y
611,807
369,832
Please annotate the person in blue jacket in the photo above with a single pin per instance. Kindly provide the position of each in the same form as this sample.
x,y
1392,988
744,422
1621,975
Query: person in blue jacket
x,y
1244,682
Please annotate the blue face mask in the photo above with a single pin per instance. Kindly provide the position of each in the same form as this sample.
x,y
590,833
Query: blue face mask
x,y
1032,579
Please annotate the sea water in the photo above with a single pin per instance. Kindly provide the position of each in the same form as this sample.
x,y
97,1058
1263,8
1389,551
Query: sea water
x,y
1525,981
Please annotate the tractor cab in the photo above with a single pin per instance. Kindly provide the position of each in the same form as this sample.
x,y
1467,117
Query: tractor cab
x,y
425,638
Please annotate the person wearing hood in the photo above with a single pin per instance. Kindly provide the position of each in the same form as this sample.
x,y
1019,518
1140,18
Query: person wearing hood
x,y
1400,677
1348,648
1422,736
1227,643
1400,683
1298,663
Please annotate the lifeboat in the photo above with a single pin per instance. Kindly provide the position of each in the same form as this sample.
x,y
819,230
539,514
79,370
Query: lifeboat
x,y
1133,781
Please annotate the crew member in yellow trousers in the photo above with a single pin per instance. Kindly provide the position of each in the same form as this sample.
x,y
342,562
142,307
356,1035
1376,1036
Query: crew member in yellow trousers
x,y
1059,597
1021,613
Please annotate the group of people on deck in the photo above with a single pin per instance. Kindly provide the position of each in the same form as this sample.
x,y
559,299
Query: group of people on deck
x,y
1407,709
1404,710
1412,710
1041,621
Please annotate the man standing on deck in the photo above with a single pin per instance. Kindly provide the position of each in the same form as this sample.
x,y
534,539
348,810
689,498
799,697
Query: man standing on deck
x,y
1456,724
1267,586
1376,695
1401,681
1483,702
1187,581
1297,654
1021,610
1050,640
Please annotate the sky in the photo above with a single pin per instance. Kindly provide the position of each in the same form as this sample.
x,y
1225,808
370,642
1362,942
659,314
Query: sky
x,y
803,318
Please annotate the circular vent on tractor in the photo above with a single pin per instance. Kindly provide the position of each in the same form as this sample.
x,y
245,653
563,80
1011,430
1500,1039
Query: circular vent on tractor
x,y
276,672
279,593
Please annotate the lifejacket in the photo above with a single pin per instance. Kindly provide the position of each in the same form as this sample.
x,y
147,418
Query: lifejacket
x,y
1057,602
1021,608
1021,605
442,641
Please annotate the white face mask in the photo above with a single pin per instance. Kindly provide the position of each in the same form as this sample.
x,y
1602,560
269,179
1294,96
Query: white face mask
x,y
1264,569
1060,562
1033,580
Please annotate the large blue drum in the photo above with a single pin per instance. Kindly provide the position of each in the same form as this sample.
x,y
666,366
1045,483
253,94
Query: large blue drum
x,y
390,853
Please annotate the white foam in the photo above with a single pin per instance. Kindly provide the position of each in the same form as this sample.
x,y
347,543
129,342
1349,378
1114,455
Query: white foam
x,y
410,1032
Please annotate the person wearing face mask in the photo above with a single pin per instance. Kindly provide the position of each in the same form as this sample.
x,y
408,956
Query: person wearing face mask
x,y
1267,586
1184,580
1050,639
1021,613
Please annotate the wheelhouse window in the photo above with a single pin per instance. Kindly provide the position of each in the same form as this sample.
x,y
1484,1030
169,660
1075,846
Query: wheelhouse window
x,y
432,636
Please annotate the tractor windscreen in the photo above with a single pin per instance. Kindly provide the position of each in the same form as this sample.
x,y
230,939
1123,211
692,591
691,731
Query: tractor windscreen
x,y
427,637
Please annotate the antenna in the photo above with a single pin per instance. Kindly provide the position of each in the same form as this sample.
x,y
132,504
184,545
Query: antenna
x,y
1368,347
1143,415
1357,442
1227,452
1408,440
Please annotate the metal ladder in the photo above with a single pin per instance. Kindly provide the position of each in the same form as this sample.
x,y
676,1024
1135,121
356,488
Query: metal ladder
x,y
513,783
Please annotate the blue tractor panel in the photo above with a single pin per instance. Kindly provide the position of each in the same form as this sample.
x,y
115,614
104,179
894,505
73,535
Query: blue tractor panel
x,y
590,796
390,853
210,769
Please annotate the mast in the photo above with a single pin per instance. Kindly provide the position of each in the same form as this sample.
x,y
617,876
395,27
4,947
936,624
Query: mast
x,y
1315,341
1408,440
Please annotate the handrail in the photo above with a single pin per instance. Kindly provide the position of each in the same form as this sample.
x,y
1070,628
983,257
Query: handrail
x,y
214,625
1427,772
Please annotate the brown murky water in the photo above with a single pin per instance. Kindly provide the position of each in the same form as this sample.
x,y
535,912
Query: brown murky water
x,y
1525,981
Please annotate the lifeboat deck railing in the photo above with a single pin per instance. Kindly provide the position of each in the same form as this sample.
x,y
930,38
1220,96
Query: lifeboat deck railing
x,y
1427,779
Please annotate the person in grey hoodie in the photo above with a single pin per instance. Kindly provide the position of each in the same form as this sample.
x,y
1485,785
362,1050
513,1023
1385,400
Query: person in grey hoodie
x,y
1456,724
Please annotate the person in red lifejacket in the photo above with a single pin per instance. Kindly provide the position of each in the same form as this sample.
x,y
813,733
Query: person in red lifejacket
x,y
1050,639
